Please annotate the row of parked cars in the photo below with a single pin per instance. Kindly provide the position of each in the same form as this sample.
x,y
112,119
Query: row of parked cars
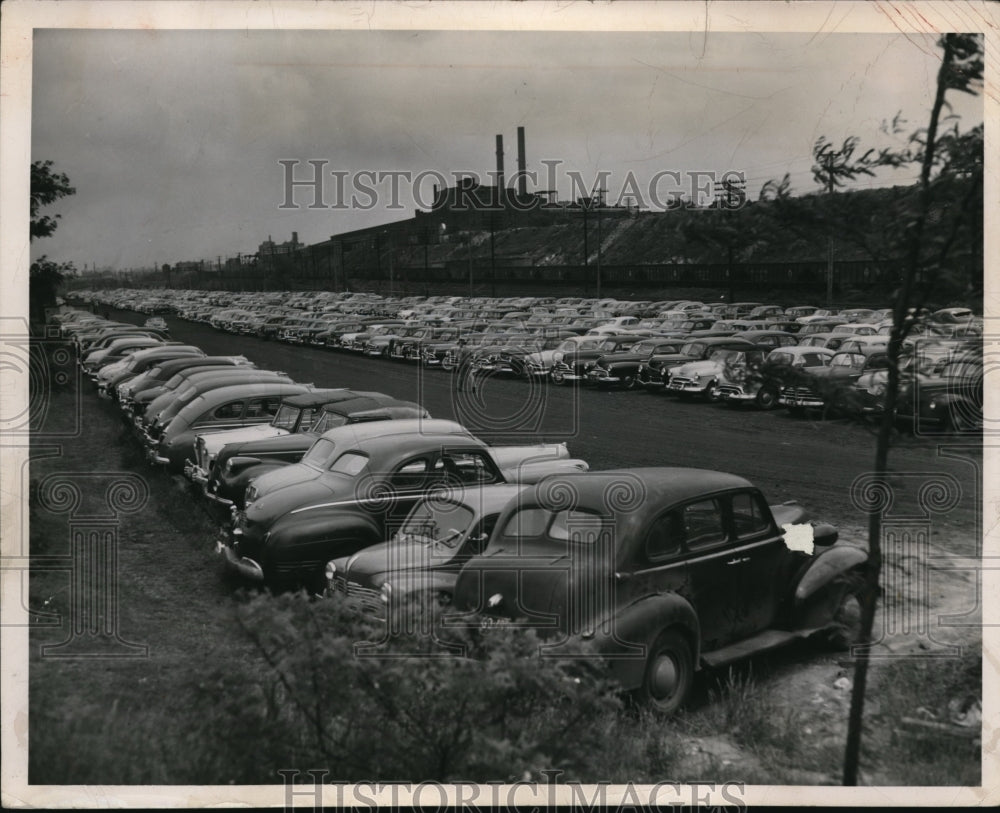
x,y
361,497
802,357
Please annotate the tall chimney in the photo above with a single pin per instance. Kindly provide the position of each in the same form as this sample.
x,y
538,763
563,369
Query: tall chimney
x,y
500,179
522,179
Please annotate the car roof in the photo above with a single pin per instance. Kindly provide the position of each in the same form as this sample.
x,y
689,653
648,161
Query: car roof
x,y
400,445
319,397
632,495
355,432
801,349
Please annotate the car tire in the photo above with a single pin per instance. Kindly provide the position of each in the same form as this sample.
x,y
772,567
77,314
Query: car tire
x,y
557,378
447,364
766,399
845,630
628,382
711,393
668,674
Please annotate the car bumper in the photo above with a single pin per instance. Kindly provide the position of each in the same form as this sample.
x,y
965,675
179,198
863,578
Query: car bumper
x,y
685,386
800,402
241,565
154,458
195,473
727,394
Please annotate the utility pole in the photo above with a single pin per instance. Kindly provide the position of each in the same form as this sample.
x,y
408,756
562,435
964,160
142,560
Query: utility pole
x,y
585,204
493,256
468,246
600,205
392,270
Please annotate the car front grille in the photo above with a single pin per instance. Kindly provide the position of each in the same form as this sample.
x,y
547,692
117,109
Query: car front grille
x,y
369,598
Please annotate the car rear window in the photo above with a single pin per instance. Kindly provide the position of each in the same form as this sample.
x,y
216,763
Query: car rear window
x,y
350,463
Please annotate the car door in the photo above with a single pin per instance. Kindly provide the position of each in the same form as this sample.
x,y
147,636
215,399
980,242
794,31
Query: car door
x,y
731,566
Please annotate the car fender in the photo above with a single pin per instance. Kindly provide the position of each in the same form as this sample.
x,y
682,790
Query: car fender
x,y
826,567
821,583
627,636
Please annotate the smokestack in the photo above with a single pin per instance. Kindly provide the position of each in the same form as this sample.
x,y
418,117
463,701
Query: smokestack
x,y
522,179
500,180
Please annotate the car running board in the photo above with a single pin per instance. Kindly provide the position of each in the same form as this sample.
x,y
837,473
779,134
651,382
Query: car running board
x,y
761,642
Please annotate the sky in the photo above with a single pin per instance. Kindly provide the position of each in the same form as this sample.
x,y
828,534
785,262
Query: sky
x,y
173,139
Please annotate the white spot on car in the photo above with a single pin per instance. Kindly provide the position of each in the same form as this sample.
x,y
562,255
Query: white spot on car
x,y
799,537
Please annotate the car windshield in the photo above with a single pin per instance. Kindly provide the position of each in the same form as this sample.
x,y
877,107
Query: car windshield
x,y
727,356
436,521
693,349
589,344
329,420
575,525
286,417
848,360
647,348
780,358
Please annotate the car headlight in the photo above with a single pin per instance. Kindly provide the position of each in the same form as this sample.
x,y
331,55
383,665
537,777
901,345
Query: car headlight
x,y
330,572
385,593
557,356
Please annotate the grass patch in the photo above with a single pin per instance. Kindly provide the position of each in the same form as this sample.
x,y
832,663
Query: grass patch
x,y
934,691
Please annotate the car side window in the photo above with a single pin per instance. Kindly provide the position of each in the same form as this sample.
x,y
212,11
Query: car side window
x,y
749,517
228,411
411,474
466,467
703,525
663,540
262,407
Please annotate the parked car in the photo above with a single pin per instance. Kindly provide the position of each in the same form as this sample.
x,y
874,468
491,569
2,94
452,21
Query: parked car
x,y
934,395
440,534
297,413
621,368
239,463
762,387
829,388
664,571
221,408
350,492
702,377
164,373
654,374
571,366
138,362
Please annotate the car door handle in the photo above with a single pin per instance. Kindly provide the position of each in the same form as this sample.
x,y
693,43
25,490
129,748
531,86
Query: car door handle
x,y
738,560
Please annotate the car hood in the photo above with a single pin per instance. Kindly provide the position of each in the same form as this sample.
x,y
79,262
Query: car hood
x,y
299,442
295,475
621,358
372,565
214,441
700,368
671,358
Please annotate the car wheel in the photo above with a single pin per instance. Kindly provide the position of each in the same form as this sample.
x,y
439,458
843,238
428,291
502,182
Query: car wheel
x,y
711,393
447,364
669,673
845,630
558,378
628,382
766,398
